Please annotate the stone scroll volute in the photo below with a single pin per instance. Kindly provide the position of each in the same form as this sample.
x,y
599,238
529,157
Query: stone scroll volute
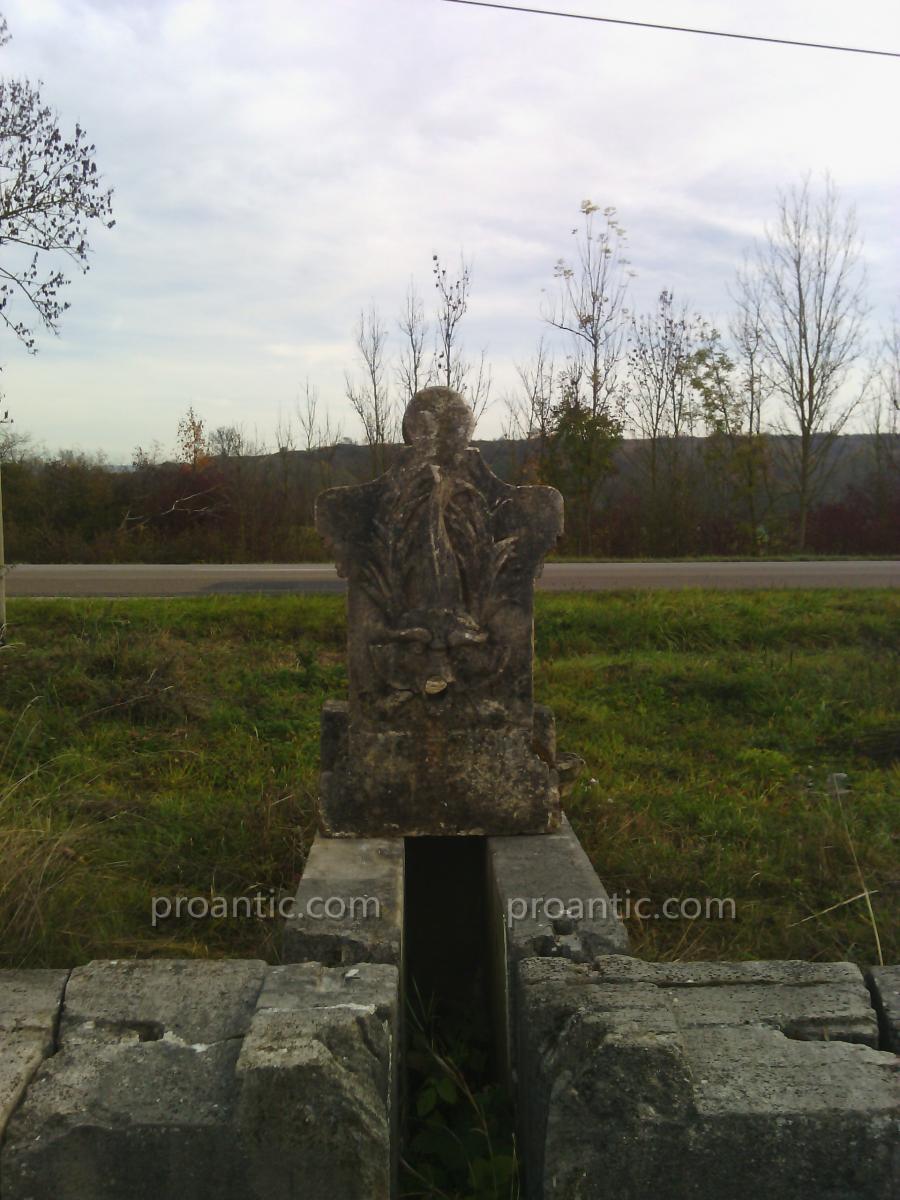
x,y
439,734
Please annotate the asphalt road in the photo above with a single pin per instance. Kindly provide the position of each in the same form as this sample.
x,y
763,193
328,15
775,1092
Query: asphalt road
x,y
205,580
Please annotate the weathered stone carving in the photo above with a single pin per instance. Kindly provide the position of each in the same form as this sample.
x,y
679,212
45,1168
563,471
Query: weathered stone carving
x,y
439,733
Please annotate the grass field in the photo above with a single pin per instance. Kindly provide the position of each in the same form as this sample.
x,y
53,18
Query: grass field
x,y
156,748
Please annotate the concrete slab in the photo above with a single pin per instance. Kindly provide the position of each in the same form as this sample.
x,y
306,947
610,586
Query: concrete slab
x,y
363,878
792,972
138,1100
806,1001
29,1011
884,983
183,1000
31,999
20,1056
532,879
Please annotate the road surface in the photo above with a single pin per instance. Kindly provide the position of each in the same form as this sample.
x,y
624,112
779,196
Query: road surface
x,y
205,580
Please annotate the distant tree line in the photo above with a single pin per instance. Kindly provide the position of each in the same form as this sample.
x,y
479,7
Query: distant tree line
x,y
231,503
666,435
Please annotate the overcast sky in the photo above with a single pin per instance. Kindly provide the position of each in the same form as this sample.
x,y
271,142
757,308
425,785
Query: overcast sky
x,y
279,164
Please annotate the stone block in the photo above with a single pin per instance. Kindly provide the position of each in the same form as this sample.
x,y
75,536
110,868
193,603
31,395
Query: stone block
x,y
682,1080
186,1001
29,1010
806,1001
794,1119
139,1099
586,1062
550,900
523,874
884,983
319,1089
365,877
30,1000
202,1080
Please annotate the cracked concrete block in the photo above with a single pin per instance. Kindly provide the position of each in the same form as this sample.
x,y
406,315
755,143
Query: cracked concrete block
x,y
29,1009
793,972
884,983
146,1120
807,1001
319,1089
585,1060
20,1056
797,1119
194,1001
365,877
678,1080
139,1099
209,1081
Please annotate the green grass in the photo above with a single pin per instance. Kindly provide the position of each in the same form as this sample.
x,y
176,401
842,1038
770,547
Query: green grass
x,y
170,747
762,559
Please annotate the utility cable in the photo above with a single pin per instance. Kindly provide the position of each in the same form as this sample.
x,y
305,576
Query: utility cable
x,y
743,37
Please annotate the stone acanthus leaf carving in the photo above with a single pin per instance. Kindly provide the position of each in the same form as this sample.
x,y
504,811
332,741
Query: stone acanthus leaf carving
x,y
440,556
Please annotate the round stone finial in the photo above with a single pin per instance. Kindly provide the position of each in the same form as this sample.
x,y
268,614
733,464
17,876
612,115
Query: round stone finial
x,y
438,420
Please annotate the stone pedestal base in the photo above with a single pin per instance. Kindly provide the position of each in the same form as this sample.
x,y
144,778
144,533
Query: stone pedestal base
x,y
480,781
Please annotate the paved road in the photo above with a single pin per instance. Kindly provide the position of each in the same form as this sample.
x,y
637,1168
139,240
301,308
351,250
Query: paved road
x,y
153,580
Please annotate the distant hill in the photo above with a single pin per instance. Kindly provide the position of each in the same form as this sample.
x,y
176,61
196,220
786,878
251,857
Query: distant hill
x,y
851,459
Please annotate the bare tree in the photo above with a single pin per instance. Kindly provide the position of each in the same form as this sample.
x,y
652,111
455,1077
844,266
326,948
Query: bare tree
x,y
477,383
753,385
50,196
234,449
590,306
887,417
319,438
144,457
750,448
317,430
5,442
663,405
50,199
413,372
807,283
732,394
661,400
14,446
530,410
453,300
451,368
227,441
284,445
284,433
370,398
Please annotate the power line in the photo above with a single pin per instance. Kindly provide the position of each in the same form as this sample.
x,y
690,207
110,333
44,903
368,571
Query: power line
x,y
742,37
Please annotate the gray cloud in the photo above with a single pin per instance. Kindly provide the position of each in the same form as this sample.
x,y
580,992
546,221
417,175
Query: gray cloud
x,y
277,166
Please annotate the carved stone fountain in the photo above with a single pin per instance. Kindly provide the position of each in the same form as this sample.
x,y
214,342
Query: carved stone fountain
x,y
440,734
